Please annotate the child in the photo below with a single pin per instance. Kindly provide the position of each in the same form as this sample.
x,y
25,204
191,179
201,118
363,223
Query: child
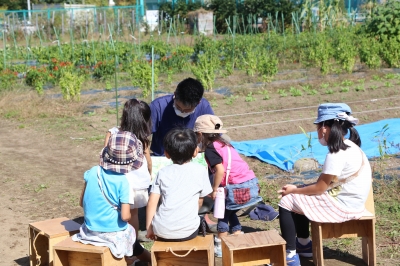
x,y
180,188
105,199
240,182
136,118
341,190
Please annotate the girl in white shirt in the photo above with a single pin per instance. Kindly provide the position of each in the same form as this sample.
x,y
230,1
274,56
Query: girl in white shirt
x,y
341,190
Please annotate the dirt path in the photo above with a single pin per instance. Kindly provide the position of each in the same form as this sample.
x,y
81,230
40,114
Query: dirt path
x,y
36,171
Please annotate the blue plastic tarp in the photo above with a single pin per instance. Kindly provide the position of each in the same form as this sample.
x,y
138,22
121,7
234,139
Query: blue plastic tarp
x,y
284,151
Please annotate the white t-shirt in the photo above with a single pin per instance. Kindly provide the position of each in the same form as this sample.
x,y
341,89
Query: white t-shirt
x,y
343,164
180,187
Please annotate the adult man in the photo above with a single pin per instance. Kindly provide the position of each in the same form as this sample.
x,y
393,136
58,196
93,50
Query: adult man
x,y
180,109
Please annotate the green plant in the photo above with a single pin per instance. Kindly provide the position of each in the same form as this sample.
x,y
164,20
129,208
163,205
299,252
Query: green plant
x,y
282,92
204,69
37,77
344,89
214,103
388,84
7,79
347,82
140,73
324,85
374,87
329,91
40,188
231,99
390,76
309,90
71,85
295,92
376,78
250,97
265,94
268,66
360,88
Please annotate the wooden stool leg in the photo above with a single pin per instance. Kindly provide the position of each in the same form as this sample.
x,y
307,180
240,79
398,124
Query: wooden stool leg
x,y
317,248
368,245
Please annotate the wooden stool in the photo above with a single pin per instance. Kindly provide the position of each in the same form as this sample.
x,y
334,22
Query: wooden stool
x,y
44,235
195,252
254,249
364,227
71,253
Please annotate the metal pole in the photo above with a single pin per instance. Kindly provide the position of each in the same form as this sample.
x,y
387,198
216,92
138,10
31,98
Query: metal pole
x,y
152,73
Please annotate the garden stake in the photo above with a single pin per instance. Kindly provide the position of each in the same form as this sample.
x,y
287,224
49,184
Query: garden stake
x,y
152,73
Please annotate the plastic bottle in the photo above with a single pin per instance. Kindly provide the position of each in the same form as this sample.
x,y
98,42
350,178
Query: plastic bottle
x,y
219,204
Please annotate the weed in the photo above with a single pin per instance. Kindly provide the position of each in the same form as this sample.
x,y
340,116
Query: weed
x,y
111,111
388,84
91,113
295,92
104,120
282,92
347,82
11,114
231,99
21,126
390,76
250,97
344,89
265,94
361,81
324,85
360,88
374,87
329,91
214,103
376,78
40,188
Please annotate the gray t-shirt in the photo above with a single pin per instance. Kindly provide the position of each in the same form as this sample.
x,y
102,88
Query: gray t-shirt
x,y
180,187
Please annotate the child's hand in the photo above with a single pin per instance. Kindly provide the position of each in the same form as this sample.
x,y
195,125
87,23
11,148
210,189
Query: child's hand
x,y
150,234
286,189
213,195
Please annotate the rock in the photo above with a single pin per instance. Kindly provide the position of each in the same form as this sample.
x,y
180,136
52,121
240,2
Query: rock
x,y
305,164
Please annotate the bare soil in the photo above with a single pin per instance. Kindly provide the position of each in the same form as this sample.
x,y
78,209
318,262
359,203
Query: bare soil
x,y
47,144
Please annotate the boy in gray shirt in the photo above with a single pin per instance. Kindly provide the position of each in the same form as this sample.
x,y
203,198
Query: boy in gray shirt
x,y
181,188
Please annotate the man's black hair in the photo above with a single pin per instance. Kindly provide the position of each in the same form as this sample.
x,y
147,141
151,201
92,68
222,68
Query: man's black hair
x,y
180,144
189,92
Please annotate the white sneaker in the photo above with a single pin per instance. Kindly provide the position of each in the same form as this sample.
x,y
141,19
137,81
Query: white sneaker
x,y
217,247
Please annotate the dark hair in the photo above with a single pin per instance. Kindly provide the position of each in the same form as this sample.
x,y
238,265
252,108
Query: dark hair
x,y
136,119
209,138
339,129
189,91
180,144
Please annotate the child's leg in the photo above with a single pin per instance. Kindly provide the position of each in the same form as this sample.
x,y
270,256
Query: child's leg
x,y
141,253
134,221
223,224
234,223
302,226
288,228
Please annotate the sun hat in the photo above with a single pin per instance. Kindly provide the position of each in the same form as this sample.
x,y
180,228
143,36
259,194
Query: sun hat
x,y
328,111
123,153
263,212
208,124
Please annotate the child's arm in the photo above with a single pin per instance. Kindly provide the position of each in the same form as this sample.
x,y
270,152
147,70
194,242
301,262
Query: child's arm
x,y
218,175
108,135
82,194
125,212
150,212
148,159
317,188
200,202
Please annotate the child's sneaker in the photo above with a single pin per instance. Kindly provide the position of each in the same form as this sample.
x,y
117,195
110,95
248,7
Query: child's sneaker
x,y
293,261
217,247
304,250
